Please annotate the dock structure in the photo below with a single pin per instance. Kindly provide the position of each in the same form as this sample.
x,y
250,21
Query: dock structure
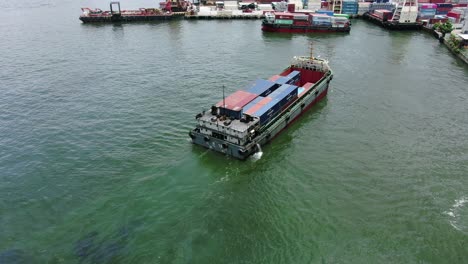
x,y
391,24
225,14
206,16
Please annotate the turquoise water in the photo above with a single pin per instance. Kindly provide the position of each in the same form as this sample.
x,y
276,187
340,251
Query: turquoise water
x,y
96,164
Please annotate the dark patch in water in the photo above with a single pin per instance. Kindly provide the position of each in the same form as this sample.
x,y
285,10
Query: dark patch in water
x,y
93,248
14,256
108,253
85,246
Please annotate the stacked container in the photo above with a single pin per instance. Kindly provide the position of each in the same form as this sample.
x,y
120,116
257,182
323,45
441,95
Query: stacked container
x,y
294,76
339,21
252,107
350,7
262,87
443,9
363,7
321,20
383,14
427,10
232,105
284,18
381,6
280,98
324,12
455,16
285,94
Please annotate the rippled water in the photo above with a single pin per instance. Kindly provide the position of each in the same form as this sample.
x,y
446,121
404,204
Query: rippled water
x,y
96,166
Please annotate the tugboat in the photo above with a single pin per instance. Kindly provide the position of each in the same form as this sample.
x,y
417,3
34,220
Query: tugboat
x,y
239,124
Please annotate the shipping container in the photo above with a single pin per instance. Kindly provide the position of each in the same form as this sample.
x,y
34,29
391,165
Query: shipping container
x,y
341,15
262,87
428,6
444,5
321,17
285,94
291,8
295,76
283,80
232,105
383,14
252,103
274,78
325,12
281,15
268,111
284,21
254,108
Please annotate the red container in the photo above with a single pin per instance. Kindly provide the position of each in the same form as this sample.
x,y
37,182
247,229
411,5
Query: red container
x,y
259,105
301,22
424,1
437,1
324,5
435,20
291,8
454,15
237,100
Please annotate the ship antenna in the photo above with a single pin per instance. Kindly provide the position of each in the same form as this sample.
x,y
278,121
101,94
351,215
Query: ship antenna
x,y
224,102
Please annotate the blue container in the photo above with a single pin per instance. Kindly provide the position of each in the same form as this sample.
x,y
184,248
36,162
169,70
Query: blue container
x,y
325,12
321,23
283,80
285,94
444,5
267,112
254,102
295,76
262,87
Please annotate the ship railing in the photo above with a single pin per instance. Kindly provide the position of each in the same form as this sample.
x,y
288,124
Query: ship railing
x,y
311,63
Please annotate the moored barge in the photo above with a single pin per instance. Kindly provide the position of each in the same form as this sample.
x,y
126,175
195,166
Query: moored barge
x,y
116,15
243,121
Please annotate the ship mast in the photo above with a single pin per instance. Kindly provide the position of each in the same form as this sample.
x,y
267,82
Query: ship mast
x,y
311,50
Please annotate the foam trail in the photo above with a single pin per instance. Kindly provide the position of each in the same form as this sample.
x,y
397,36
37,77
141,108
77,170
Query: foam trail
x,y
257,155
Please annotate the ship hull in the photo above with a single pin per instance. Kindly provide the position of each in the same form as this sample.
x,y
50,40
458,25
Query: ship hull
x,y
123,18
274,128
302,29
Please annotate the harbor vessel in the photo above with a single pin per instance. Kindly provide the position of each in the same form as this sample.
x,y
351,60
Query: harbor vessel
x,y
287,22
116,15
239,124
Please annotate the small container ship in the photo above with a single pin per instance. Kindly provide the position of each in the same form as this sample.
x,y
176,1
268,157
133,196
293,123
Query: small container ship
x,y
287,22
239,124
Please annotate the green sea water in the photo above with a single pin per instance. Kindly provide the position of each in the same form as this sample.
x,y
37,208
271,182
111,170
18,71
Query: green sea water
x,y
96,164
